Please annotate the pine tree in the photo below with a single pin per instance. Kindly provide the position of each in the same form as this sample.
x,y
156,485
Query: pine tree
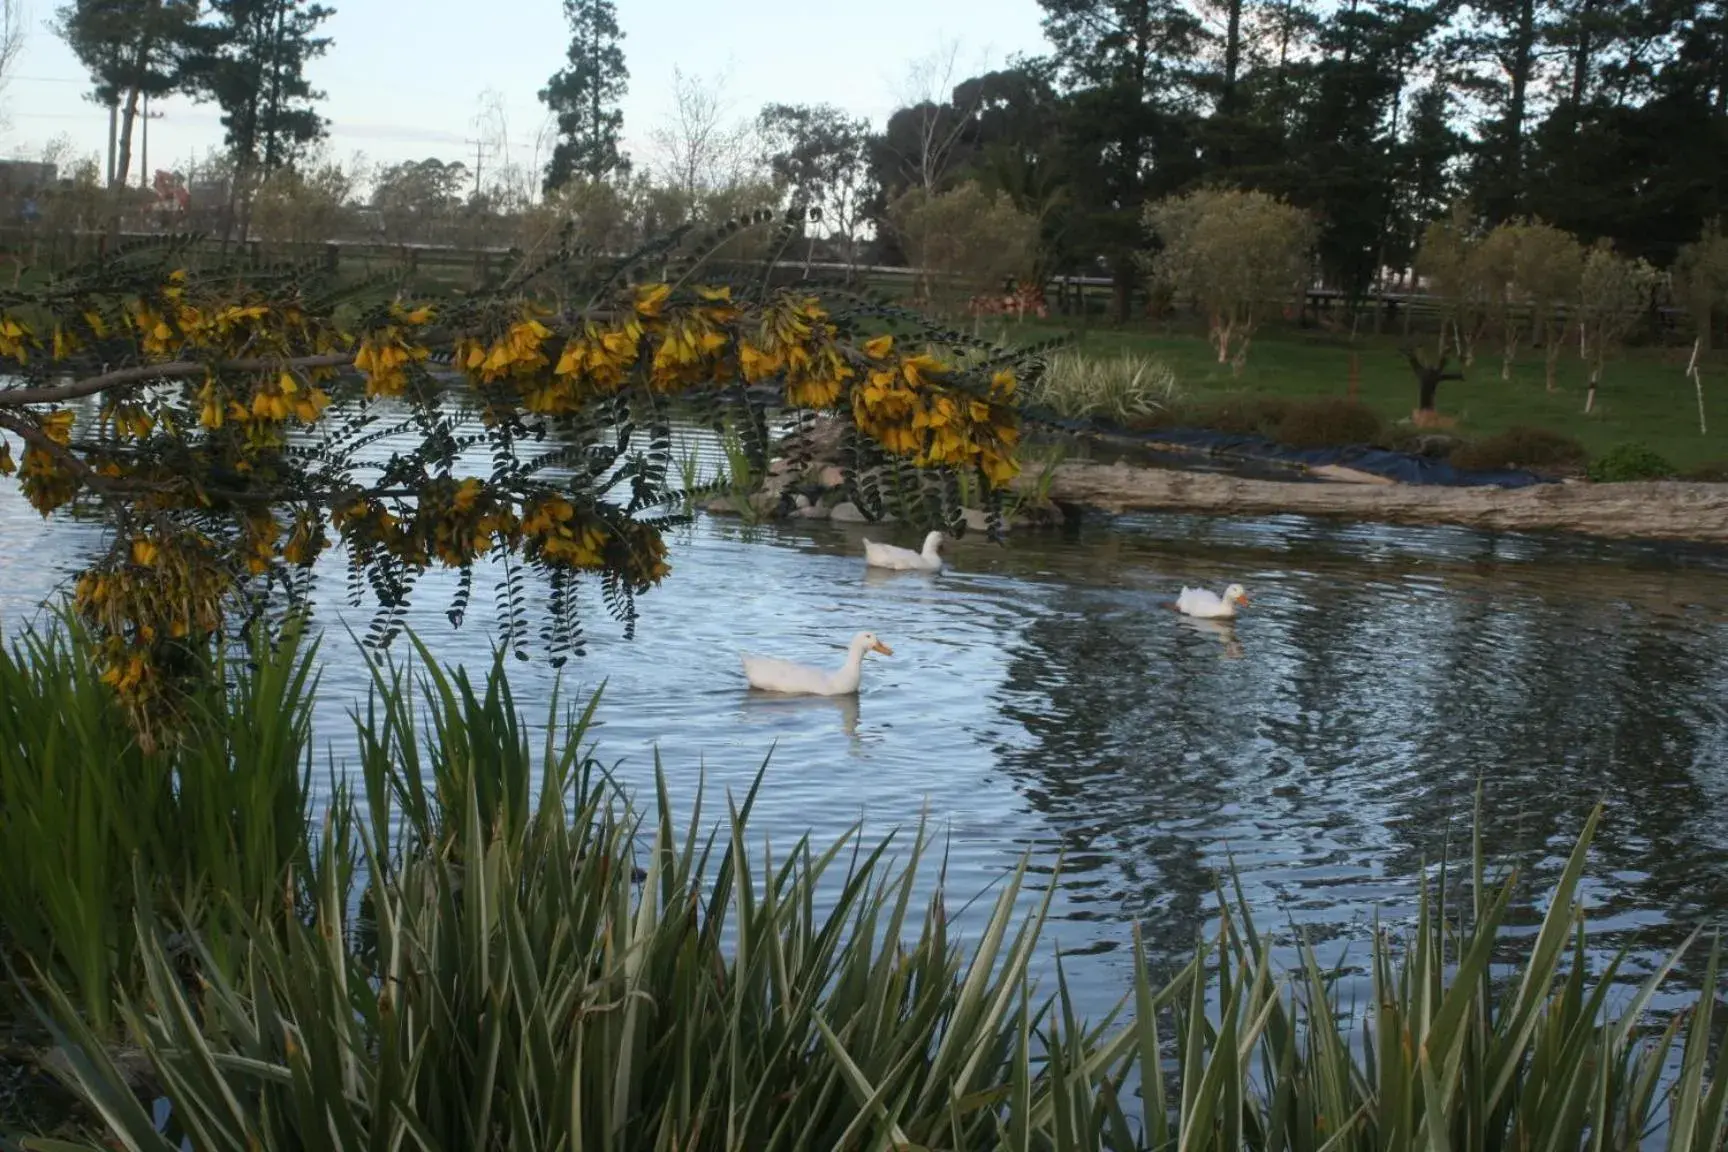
x,y
584,96
132,49
251,61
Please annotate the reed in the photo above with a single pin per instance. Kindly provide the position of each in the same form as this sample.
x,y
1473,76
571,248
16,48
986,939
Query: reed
x,y
498,949
215,821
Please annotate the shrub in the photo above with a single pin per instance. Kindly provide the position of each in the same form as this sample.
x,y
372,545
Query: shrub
x,y
1326,421
1537,449
1414,441
1710,472
1120,389
1625,462
1240,413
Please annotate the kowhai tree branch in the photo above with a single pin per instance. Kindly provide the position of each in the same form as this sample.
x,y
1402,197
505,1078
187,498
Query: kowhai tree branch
x,y
168,370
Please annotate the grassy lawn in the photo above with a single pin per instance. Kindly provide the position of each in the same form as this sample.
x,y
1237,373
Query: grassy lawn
x,y
1645,395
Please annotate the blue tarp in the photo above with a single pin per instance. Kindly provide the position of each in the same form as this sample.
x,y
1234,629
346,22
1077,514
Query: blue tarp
x,y
1404,467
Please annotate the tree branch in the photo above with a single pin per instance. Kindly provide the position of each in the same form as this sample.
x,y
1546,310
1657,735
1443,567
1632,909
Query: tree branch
x,y
172,369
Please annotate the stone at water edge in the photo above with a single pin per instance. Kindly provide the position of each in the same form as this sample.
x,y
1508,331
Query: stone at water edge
x,y
811,512
831,476
847,512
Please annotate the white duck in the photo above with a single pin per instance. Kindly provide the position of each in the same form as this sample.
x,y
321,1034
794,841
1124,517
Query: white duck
x,y
772,675
904,559
1209,605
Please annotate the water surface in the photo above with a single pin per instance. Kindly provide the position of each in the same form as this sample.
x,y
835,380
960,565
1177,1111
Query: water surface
x,y
1040,698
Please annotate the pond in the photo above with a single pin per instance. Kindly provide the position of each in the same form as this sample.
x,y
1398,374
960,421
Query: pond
x,y
1041,699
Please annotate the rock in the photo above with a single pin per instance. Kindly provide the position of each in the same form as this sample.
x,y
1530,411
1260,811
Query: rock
x,y
847,512
831,476
822,442
1039,514
977,520
1343,475
765,503
801,502
811,512
778,465
723,506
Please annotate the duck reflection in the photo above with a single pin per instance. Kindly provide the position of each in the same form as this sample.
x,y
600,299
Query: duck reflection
x,y
1223,630
773,704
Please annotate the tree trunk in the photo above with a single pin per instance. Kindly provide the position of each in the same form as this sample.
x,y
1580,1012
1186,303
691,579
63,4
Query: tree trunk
x,y
1227,98
1590,395
1520,67
1428,379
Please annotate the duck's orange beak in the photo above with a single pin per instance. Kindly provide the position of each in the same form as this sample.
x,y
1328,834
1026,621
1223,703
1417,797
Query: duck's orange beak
x,y
1243,599
882,648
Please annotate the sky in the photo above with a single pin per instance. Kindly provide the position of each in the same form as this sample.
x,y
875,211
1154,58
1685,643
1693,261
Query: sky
x,y
406,80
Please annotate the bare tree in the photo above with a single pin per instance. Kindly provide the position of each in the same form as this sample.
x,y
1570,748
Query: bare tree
x,y
11,41
926,91
701,148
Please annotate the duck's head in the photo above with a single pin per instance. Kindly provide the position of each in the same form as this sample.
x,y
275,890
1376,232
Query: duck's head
x,y
1236,594
933,543
867,642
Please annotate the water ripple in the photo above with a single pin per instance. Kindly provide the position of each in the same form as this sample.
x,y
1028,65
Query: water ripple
x,y
1041,700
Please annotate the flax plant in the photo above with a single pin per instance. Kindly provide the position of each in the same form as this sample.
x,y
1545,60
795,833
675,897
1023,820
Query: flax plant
x,y
528,960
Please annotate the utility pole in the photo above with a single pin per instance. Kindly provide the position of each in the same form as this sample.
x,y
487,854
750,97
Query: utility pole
x,y
113,138
144,173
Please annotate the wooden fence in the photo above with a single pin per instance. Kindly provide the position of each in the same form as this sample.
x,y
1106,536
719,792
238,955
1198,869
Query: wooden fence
x,y
444,267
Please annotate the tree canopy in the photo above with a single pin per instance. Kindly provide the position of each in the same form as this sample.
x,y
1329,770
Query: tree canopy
x,y
584,96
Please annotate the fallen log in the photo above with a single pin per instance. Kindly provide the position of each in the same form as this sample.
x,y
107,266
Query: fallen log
x,y
1672,510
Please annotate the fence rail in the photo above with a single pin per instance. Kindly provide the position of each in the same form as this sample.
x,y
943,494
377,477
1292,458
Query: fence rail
x,y
27,247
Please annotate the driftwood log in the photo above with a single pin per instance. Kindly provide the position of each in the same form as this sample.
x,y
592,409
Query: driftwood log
x,y
1669,510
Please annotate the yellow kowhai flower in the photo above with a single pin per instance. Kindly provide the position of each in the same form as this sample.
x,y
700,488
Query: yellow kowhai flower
x,y
144,551
98,326
15,339
467,493
261,534
306,541
758,364
6,465
65,343
309,405
878,347
211,406
57,426
415,317
651,298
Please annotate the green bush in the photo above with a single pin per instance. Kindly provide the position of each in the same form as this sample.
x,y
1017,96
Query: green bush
x,y
1319,422
1710,472
1625,462
1408,438
1328,421
1536,449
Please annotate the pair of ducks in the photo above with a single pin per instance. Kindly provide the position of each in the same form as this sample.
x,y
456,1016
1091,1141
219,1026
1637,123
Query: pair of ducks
x,y
770,674
788,678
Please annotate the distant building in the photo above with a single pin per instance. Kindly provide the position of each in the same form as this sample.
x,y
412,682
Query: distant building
x,y
22,183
